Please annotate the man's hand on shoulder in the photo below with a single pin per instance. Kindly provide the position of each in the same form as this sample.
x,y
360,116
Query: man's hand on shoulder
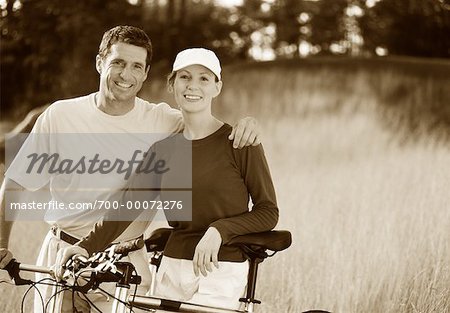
x,y
245,133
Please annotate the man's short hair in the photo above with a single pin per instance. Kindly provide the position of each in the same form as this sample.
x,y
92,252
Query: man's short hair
x,y
126,34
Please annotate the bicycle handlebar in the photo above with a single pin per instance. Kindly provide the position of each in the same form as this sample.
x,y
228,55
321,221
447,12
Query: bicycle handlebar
x,y
13,268
105,266
35,268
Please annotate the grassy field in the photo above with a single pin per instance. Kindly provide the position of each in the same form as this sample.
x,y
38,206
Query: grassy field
x,y
359,153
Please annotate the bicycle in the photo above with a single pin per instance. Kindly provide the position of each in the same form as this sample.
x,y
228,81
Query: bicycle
x,y
106,267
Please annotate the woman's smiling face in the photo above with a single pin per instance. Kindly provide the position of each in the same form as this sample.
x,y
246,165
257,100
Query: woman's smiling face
x,y
194,87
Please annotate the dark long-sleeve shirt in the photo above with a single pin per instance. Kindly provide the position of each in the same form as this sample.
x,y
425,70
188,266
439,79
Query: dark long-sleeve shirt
x,y
223,180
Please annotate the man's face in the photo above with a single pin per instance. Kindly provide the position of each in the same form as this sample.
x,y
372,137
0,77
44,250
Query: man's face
x,y
122,72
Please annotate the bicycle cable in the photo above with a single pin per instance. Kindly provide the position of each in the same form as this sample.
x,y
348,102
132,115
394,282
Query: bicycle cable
x,y
34,285
76,277
89,301
22,304
107,293
135,292
121,301
65,287
54,295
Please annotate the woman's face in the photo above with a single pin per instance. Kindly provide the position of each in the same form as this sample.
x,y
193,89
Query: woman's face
x,y
194,87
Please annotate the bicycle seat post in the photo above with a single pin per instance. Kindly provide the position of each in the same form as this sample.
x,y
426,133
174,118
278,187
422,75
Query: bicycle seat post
x,y
249,300
254,247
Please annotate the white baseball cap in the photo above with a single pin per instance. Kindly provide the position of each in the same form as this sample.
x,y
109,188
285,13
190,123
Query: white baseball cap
x,y
199,56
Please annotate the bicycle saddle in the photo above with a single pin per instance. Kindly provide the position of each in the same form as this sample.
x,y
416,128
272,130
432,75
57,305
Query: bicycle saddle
x,y
274,240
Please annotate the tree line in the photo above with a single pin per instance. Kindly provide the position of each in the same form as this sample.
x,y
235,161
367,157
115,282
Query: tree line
x,y
48,47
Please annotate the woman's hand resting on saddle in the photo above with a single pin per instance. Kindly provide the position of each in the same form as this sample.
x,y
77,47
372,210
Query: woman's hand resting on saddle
x,y
207,252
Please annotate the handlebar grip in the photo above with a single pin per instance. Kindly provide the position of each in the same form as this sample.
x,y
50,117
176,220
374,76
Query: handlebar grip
x,y
129,246
13,269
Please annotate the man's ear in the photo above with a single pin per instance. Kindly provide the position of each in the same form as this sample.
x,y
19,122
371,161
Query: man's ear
x,y
98,64
147,70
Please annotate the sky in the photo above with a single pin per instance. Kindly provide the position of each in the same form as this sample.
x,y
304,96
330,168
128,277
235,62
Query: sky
x,y
229,2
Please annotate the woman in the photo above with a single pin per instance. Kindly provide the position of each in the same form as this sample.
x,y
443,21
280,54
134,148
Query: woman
x,y
198,266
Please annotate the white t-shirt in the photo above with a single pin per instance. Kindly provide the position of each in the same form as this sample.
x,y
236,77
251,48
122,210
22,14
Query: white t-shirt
x,y
73,132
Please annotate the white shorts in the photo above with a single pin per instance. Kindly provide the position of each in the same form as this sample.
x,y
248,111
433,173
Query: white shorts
x,y
222,287
47,257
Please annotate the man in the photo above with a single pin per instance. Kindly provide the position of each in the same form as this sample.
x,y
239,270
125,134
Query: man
x,y
123,63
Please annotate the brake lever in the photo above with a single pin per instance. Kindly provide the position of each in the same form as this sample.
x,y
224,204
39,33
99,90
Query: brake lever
x,y
106,266
74,264
102,263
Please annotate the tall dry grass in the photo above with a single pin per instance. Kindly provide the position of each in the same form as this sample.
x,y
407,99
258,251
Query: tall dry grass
x,y
359,152
370,225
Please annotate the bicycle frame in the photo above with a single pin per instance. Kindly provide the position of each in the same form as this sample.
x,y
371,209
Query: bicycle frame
x,y
160,305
